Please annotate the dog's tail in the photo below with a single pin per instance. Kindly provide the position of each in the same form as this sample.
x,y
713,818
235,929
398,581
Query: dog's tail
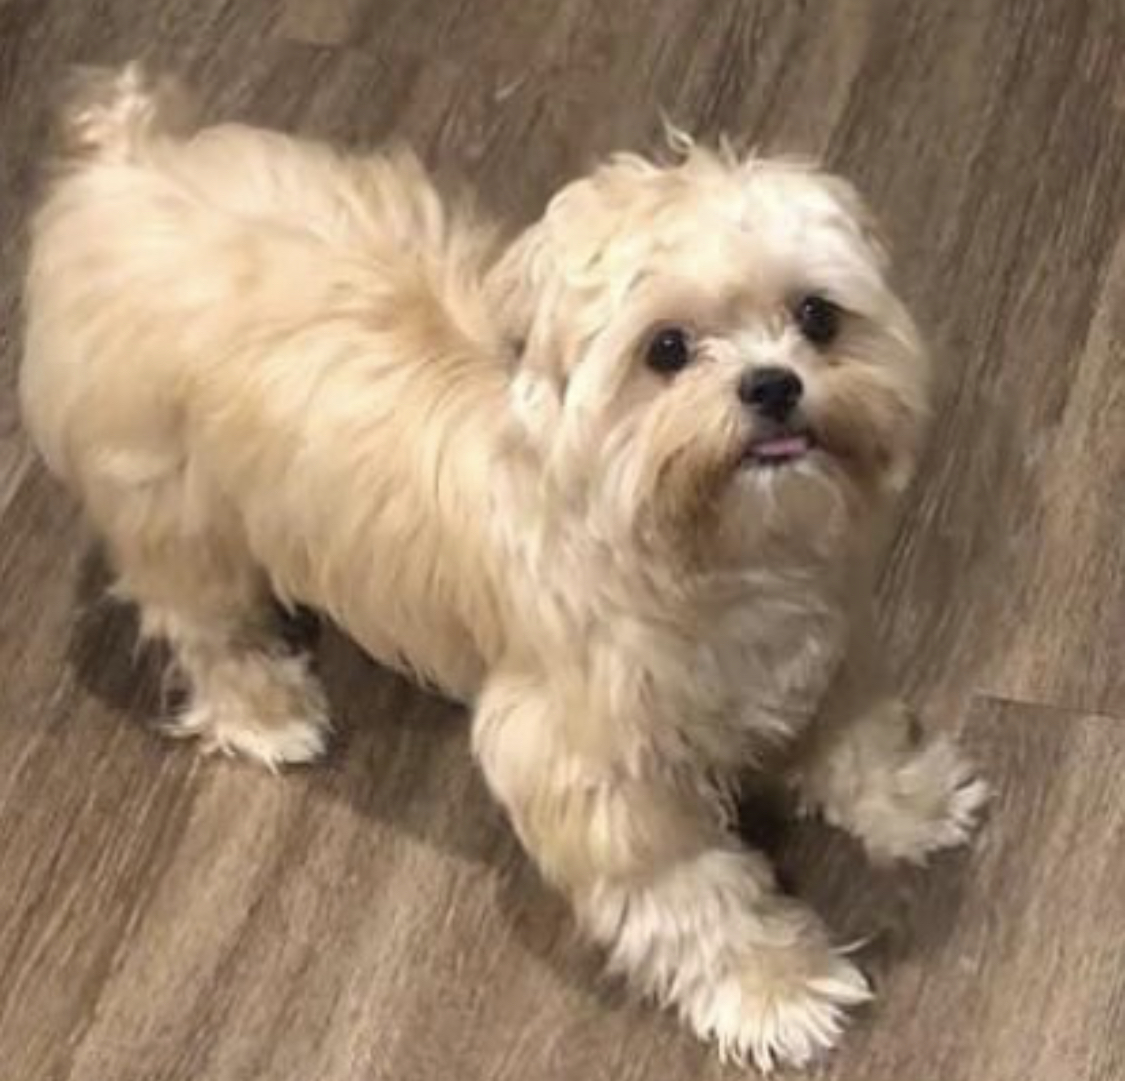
x,y
111,114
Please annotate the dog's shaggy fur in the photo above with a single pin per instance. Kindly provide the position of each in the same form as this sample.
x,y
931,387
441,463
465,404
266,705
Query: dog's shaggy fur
x,y
269,369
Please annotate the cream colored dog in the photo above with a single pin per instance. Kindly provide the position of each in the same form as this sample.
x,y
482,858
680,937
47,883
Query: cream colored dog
x,y
619,485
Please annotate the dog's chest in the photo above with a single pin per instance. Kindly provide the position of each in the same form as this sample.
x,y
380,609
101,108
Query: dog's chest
x,y
774,654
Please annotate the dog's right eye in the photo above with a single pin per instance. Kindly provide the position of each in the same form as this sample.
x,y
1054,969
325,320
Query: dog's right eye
x,y
669,351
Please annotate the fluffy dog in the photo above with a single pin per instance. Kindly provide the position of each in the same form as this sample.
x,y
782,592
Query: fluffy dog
x,y
619,485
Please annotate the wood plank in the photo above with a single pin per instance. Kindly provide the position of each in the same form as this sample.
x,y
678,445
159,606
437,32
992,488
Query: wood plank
x,y
188,919
1006,963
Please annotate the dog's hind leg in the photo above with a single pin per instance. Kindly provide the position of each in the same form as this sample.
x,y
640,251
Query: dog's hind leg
x,y
188,569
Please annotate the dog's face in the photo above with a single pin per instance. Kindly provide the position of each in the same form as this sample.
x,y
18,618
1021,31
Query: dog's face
x,y
711,353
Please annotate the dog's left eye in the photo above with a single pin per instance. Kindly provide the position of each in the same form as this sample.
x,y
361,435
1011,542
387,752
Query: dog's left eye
x,y
818,318
669,351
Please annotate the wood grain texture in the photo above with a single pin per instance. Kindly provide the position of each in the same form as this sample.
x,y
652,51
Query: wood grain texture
x,y
1007,963
163,917
321,22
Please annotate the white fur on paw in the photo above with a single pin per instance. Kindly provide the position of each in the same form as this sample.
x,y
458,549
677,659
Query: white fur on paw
x,y
933,802
278,716
747,968
774,1019
295,741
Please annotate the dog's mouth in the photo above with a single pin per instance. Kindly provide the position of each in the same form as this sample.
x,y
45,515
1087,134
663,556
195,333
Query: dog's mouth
x,y
778,448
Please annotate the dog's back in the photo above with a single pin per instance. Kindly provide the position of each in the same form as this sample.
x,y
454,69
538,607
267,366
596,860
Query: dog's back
x,y
231,335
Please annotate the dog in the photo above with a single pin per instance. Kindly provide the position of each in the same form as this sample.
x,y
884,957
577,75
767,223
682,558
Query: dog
x,y
620,484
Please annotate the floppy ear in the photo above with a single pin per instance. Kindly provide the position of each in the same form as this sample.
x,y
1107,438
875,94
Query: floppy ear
x,y
570,249
525,290
556,285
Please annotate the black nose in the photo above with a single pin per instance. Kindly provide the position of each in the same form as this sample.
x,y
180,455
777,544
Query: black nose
x,y
773,392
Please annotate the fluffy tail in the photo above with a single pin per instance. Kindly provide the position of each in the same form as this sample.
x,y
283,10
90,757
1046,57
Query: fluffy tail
x,y
110,115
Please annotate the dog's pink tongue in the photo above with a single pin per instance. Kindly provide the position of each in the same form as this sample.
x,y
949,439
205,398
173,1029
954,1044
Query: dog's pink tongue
x,y
784,446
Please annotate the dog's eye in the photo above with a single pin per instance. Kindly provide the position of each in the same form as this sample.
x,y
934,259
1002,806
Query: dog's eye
x,y
669,351
818,319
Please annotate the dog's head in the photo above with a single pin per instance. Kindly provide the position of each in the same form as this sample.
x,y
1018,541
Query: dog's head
x,y
711,353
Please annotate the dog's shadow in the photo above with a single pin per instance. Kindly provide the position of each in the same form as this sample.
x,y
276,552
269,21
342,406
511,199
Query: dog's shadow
x,y
401,758
105,652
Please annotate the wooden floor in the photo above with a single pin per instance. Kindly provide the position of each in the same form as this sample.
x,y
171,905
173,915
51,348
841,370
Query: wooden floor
x,y
164,918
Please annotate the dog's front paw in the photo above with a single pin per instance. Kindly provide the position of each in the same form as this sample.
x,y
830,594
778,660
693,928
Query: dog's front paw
x,y
783,1007
931,801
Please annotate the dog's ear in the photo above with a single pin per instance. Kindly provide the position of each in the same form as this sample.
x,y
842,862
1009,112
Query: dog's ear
x,y
525,292
515,285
